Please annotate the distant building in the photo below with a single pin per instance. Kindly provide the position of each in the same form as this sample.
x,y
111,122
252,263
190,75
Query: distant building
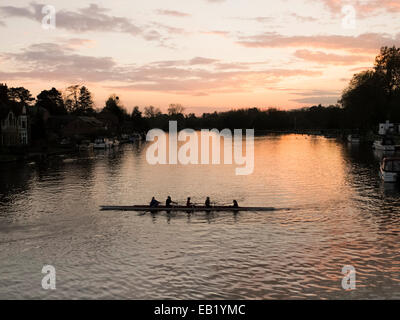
x,y
389,128
83,126
127,127
15,127
110,121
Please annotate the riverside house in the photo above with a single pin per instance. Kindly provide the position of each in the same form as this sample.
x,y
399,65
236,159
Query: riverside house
x,y
83,127
14,127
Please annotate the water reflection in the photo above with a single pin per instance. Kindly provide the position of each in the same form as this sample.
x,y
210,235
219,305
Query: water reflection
x,y
334,211
15,179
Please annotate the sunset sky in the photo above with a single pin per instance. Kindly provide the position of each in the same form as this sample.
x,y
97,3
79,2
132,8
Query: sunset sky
x,y
205,54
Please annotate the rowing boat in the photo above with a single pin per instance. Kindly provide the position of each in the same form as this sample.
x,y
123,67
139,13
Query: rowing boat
x,y
184,208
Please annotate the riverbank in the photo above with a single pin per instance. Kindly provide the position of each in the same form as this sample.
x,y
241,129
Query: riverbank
x,y
342,134
33,154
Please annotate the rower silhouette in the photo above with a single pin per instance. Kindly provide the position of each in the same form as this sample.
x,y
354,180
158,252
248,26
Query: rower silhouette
x,y
154,203
168,202
208,202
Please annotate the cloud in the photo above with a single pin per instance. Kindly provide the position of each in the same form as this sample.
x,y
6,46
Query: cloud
x,y
18,12
367,42
315,96
201,61
92,18
217,33
260,19
196,81
181,63
330,58
232,66
49,61
197,76
173,13
313,92
304,18
169,29
78,42
325,100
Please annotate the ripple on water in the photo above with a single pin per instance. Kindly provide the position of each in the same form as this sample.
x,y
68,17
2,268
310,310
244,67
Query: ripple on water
x,y
332,211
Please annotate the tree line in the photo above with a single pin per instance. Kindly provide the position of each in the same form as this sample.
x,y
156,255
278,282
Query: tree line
x,y
77,100
372,96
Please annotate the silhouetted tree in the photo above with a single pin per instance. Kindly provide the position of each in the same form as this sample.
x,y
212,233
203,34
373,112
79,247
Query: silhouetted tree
x,y
113,106
21,96
365,100
85,102
151,112
387,65
52,101
373,96
4,98
72,98
175,109
138,121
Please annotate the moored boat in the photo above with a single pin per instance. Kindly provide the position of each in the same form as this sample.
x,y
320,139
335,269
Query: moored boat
x,y
116,142
390,169
385,144
103,143
353,138
86,145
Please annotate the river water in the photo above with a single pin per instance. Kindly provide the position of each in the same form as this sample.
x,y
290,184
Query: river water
x,y
332,211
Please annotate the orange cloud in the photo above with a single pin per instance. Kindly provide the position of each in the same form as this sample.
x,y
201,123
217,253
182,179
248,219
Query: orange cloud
x,y
197,76
330,58
173,13
364,43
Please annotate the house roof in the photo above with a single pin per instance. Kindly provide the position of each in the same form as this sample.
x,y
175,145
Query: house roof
x,y
91,120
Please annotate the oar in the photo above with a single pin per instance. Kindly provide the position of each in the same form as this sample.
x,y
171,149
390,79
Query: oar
x,y
227,203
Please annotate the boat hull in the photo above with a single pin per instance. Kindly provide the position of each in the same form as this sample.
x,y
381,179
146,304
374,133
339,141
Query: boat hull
x,y
381,147
390,177
183,208
102,146
353,139
85,147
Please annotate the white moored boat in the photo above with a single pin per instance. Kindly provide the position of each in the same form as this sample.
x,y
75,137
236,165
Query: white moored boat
x,y
353,138
385,144
390,169
103,143
86,145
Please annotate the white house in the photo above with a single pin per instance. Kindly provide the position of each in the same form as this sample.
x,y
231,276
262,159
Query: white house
x,y
14,128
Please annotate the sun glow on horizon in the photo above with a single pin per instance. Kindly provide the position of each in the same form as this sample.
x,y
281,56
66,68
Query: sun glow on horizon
x,y
205,55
